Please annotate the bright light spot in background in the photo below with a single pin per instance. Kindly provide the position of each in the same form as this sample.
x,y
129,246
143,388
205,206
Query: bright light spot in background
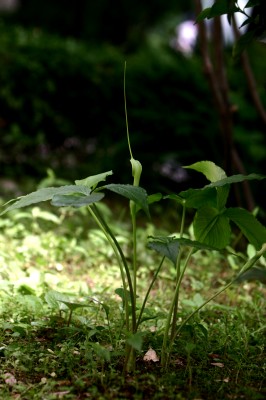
x,y
186,37
187,31
9,5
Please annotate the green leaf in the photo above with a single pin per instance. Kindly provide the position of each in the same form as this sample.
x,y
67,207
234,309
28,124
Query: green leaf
x,y
106,308
223,188
54,298
196,198
45,194
212,172
242,43
101,352
251,228
222,196
203,14
149,314
254,274
92,181
134,193
176,198
196,245
73,305
212,227
252,3
195,301
160,244
136,341
154,198
235,179
75,201
221,7
166,246
124,295
45,215
246,22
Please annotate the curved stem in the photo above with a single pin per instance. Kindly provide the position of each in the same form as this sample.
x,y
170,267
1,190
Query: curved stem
x,y
125,102
148,292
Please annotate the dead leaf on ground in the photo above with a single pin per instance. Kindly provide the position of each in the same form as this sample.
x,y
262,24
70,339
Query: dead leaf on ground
x,y
218,364
179,361
61,394
226,380
10,379
151,356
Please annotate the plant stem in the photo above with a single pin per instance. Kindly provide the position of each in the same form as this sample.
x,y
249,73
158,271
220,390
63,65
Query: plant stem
x,y
148,292
134,255
165,349
125,103
129,351
178,273
121,262
172,315
69,317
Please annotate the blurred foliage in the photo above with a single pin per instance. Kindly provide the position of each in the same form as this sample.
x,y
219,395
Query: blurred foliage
x,y
123,22
62,107
255,21
56,93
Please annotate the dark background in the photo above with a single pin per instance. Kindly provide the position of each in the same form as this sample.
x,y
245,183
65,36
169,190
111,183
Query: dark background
x,y
62,102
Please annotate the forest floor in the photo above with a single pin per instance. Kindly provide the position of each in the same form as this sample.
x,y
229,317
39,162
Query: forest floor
x,y
62,323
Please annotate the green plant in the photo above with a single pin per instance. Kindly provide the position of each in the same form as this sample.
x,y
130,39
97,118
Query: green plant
x,y
211,226
229,331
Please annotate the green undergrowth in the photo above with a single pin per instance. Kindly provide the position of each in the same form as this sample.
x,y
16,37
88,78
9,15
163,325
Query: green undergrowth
x,y
62,332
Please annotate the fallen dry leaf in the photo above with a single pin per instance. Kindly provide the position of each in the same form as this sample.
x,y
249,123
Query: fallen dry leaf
x,y
218,364
10,379
226,380
151,356
60,395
